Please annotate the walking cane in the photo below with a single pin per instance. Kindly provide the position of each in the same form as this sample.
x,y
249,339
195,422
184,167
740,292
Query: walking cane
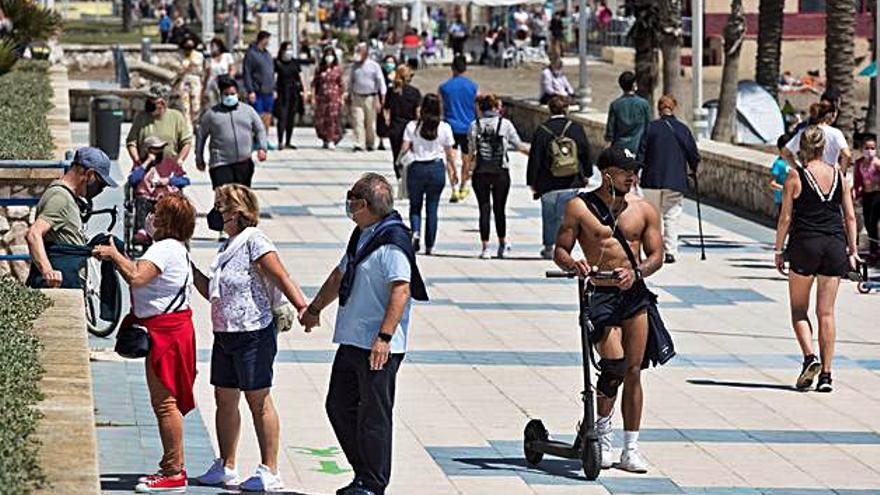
x,y
699,218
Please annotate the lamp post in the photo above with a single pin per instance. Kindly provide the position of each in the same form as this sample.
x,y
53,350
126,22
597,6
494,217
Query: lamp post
x,y
583,92
207,21
701,126
877,70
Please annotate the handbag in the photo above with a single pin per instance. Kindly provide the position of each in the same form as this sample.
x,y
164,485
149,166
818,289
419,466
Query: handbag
x,y
402,190
283,313
133,339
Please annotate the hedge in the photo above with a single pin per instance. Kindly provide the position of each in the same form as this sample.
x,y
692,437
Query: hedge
x,y
20,372
24,103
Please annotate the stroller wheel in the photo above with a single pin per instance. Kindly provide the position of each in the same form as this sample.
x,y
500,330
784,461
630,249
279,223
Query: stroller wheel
x,y
535,431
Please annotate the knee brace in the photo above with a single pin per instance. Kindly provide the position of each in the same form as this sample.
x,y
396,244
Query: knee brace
x,y
611,374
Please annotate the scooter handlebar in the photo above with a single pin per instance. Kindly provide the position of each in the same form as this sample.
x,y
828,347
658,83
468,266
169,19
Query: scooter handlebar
x,y
560,274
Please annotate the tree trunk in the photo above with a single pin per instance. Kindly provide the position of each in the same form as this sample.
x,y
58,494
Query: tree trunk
x,y
670,46
126,16
870,120
644,34
840,28
734,34
769,54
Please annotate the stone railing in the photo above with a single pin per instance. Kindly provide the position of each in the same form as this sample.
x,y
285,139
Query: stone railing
x,y
59,116
68,445
732,175
83,58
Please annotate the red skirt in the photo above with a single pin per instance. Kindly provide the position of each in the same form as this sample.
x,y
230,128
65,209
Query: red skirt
x,y
173,354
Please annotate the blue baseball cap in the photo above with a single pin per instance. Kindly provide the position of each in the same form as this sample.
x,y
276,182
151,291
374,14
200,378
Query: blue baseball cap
x,y
95,159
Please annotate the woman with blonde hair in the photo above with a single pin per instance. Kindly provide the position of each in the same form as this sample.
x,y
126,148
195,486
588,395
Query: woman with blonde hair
x,y
242,291
401,107
817,217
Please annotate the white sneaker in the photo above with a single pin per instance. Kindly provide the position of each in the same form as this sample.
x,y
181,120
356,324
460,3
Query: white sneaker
x,y
219,474
631,460
262,481
485,254
606,440
331,146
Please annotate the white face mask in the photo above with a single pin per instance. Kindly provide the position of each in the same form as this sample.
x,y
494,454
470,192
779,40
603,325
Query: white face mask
x,y
871,153
149,226
328,59
287,56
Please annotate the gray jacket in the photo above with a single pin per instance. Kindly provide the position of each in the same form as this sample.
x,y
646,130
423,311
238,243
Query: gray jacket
x,y
232,132
259,71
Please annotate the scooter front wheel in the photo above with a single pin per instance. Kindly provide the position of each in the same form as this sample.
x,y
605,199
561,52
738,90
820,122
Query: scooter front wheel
x,y
535,431
591,458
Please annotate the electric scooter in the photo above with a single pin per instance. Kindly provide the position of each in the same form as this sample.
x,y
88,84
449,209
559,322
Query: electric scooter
x,y
586,446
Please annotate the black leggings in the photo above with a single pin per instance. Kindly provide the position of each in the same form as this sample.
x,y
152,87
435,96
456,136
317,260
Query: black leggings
x,y
871,212
496,185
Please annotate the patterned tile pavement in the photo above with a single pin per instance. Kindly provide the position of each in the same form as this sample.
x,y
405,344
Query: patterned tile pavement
x,y
498,345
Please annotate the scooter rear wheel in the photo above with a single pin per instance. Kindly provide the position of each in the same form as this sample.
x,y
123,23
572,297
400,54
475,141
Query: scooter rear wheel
x,y
591,458
535,431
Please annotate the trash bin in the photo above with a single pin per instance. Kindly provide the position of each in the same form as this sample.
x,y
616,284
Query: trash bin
x,y
105,124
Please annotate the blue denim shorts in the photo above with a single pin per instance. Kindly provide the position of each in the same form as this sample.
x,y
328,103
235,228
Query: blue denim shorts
x,y
244,360
264,103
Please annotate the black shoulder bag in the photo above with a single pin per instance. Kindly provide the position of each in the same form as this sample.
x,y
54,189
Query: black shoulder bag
x,y
133,339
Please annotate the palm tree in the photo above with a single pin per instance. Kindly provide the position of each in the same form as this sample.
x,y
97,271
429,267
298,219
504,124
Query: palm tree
x,y
670,46
734,34
840,28
644,36
770,22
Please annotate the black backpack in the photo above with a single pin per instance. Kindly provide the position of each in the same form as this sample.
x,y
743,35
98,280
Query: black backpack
x,y
491,152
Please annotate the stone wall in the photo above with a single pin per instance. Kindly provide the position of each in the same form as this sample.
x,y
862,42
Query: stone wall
x,y
68,445
81,99
733,175
84,58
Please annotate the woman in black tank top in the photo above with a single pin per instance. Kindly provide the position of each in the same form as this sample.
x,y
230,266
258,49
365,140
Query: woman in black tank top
x,y
817,217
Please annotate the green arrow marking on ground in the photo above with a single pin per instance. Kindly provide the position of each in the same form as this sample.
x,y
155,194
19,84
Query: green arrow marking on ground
x,y
328,452
330,467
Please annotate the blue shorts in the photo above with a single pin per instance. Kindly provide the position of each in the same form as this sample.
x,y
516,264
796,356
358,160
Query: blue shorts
x,y
244,360
264,103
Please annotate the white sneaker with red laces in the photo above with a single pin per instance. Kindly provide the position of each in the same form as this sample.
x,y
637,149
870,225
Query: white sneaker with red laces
x,y
163,484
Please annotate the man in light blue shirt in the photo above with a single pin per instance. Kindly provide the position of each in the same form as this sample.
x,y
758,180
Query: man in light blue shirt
x,y
375,282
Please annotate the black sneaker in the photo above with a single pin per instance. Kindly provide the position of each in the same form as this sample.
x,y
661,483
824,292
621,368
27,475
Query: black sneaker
x,y
811,368
824,384
669,259
416,244
347,489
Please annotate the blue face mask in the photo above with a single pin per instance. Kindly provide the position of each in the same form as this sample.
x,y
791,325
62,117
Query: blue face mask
x,y
230,100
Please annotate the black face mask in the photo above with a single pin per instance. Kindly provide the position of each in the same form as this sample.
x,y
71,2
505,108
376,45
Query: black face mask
x,y
215,220
94,188
150,106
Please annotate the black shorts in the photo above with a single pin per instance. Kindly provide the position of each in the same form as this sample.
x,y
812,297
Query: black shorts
x,y
813,254
461,143
244,360
234,173
610,306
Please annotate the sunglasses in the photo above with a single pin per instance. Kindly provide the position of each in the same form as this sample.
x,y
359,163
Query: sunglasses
x,y
351,196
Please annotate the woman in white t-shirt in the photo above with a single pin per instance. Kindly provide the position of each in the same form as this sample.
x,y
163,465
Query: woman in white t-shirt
x,y
161,282
837,151
430,140
221,63
244,278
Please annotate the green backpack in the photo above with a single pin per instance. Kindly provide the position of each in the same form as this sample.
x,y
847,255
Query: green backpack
x,y
563,153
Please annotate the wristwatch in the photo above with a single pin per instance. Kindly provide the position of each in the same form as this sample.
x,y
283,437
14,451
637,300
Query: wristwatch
x,y
385,337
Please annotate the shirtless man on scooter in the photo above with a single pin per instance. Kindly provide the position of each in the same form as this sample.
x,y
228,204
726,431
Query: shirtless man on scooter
x,y
618,306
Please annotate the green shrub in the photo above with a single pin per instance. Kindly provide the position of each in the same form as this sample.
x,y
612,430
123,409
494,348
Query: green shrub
x,y
30,21
24,102
20,372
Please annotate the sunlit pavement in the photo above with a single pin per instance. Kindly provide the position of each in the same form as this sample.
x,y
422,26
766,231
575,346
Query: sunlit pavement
x,y
498,345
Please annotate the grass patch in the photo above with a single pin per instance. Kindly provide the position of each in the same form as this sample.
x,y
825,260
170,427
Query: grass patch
x,y
24,102
20,372
107,31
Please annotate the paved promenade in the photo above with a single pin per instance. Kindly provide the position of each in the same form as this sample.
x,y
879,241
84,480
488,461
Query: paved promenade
x,y
498,345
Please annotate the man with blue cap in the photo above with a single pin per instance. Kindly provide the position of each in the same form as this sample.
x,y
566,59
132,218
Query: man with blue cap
x,y
58,220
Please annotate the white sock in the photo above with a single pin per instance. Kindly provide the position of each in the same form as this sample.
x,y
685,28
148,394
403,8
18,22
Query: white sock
x,y
630,440
603,422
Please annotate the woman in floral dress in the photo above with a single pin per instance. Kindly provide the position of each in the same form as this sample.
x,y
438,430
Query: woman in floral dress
x,y
328,93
